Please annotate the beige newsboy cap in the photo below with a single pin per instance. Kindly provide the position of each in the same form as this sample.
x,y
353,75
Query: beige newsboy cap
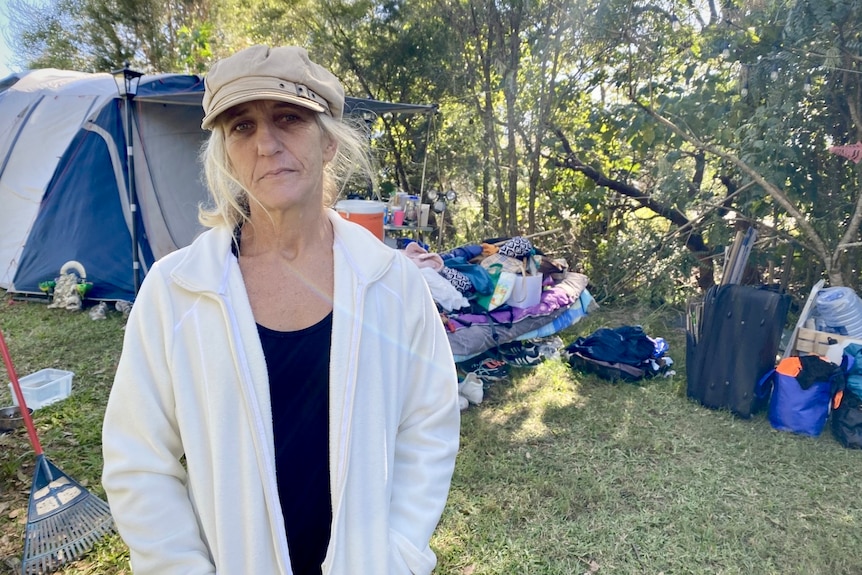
x,y
263,73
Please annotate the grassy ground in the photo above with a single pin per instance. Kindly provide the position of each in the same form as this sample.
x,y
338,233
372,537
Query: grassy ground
x,y
559,472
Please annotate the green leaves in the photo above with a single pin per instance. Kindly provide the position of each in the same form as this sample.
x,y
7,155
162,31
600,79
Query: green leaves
x,y
511,77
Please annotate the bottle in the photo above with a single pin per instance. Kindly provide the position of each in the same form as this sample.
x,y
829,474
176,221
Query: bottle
x,y
550,348
549,351
840,310
411,211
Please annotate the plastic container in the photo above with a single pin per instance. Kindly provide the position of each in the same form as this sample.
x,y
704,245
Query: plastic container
x,y
839,309
366,213
401,199
411,211
44,387
11,418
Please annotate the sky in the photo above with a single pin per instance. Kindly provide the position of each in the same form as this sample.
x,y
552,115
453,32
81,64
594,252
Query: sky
x,y
5,58
5,50
7,65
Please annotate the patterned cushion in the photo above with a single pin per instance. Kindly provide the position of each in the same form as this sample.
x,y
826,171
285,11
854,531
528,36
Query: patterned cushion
x,y
459,280
516,247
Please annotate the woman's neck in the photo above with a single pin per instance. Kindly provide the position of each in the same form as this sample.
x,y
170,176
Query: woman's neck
x,y
289,236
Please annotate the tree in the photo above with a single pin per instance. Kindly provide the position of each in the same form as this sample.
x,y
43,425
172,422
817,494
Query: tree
x,y
100,35
44,36
640,127
779,124
731,98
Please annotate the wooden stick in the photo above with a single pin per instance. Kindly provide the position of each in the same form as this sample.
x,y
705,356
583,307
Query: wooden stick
x,y
730,262
536,235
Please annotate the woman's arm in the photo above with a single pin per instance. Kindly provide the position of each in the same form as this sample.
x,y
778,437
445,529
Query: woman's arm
x,y
143,475
427,440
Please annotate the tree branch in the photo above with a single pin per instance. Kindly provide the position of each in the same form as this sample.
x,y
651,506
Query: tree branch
x,y
817,243
694,242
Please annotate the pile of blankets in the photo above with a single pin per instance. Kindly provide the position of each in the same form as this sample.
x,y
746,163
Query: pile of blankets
x,y
459,279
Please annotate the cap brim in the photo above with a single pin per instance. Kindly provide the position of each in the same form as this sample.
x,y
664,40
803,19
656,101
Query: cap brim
x,y
257,94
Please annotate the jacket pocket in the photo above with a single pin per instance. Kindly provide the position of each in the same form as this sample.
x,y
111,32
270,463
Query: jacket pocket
x,y
406,559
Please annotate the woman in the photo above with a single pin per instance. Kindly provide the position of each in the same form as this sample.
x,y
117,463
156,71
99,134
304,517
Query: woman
x,y
286,400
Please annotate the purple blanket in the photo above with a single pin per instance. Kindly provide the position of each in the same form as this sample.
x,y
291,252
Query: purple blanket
x,y
555,297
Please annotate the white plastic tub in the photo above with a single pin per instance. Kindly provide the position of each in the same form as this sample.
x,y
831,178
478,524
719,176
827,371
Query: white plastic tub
x,y
44,387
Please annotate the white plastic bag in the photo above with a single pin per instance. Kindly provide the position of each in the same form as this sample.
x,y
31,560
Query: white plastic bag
x,y
527,291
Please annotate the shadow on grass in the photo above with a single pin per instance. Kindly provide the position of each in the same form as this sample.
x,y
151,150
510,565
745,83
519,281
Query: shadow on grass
x,y
561,472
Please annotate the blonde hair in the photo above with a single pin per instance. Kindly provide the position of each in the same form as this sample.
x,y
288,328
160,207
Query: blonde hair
x,y
229,204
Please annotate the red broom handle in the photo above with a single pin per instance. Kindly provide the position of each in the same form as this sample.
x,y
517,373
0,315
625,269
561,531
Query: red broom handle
x,y
22,405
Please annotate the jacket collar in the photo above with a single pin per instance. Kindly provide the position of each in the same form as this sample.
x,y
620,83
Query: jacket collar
x,y
205,265
366,255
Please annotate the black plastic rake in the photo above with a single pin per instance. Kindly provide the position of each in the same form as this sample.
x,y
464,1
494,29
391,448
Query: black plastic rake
x,y
64,520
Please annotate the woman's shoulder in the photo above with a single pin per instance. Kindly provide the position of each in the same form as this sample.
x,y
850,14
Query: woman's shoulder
x,y
208,240
360,245
201,259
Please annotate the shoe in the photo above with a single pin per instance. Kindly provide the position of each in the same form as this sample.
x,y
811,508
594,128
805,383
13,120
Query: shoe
x,y
522,354
475,362
551,347
472,388
492,370
553,341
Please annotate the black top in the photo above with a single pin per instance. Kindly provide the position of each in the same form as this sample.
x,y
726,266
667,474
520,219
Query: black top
x,y
298,364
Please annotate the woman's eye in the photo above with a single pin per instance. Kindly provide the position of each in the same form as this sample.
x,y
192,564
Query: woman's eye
x,y
241,126
289,118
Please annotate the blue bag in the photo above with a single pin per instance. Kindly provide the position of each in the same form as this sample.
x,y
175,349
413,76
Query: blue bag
x,y
624,352
624,344
802,390
854,373
479,276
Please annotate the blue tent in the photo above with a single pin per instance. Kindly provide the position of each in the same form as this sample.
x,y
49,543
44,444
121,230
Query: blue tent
x,y
64,168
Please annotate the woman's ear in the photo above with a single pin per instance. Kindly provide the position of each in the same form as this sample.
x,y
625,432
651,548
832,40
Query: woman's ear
x,y
329,149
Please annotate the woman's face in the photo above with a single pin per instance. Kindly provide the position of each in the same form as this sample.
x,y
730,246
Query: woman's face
x,y
277,151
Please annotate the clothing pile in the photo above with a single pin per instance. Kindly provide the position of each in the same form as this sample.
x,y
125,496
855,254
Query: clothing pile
x,y
501,302
621,353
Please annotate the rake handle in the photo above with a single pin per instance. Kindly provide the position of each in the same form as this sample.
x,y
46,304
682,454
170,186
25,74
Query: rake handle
x,y
22,405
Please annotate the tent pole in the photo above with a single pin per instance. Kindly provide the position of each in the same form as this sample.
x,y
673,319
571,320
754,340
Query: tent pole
x,y
133,196
127,85
425,158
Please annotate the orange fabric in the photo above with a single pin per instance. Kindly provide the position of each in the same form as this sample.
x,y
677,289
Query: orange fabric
x,y
489,249
792,366
836,399
789,366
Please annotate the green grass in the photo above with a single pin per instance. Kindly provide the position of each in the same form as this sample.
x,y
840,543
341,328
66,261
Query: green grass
x,y
70,431
558,473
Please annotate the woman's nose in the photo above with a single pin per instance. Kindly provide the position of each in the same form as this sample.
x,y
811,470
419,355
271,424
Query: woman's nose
x,y
266,140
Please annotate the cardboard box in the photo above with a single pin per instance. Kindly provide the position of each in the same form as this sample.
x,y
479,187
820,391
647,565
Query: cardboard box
x,y
810,341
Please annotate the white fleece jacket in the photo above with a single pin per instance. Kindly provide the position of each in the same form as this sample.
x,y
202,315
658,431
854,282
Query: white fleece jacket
x,y
188,441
